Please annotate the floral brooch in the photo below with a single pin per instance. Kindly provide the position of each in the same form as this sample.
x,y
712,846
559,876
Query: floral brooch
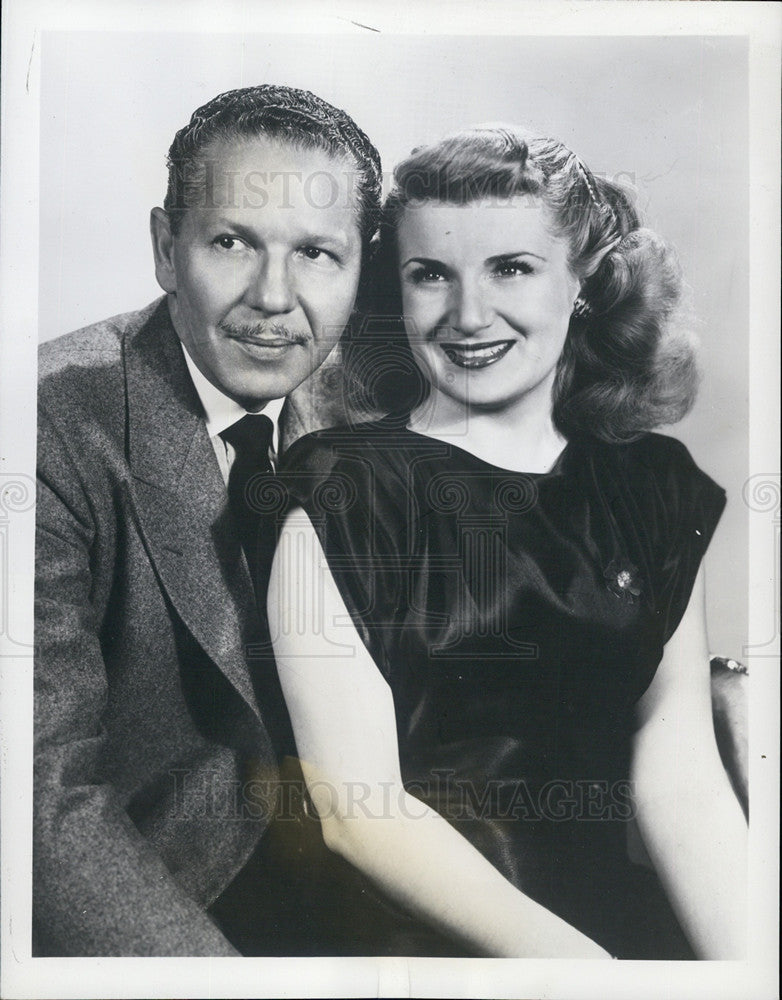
x,y
623,581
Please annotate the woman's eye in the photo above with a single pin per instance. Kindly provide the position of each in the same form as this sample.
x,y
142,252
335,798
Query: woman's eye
x,y
512,268
425,275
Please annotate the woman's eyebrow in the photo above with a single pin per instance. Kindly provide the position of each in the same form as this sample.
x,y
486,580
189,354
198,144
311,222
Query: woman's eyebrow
x,y
502,258
428,261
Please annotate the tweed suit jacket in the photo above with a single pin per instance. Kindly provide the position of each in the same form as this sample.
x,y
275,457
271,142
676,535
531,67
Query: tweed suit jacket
x,y
148,728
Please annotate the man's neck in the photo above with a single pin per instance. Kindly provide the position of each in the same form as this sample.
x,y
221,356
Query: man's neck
x,y
220,410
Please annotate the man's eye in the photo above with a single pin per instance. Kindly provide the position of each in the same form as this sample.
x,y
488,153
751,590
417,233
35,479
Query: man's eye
x,y
228,242
314,253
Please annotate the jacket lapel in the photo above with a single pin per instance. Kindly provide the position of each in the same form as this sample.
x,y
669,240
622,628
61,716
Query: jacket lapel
x,y
181,502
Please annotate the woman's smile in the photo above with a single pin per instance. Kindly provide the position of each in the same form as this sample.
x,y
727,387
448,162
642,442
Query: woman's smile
x,y
476,355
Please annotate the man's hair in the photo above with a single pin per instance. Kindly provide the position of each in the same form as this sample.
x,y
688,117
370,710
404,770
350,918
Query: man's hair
x,y
628,364
286,114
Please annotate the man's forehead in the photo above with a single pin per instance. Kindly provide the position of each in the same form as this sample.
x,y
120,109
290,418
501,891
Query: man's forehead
x,y
266,154
263,172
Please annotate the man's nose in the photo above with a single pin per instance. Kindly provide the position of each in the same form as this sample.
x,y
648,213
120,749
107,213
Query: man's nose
x,y
470,310
271,288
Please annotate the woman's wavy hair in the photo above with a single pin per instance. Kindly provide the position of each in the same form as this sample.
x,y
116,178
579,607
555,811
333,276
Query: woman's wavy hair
x,y
628,364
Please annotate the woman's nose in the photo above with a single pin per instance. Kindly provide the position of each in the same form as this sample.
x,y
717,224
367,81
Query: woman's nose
x,y
271,288
470,311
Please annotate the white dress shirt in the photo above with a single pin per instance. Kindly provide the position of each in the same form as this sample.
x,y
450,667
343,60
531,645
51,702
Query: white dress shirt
x,y
221,412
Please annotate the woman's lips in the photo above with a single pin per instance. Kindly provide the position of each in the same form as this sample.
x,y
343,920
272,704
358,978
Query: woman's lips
x,y
479,355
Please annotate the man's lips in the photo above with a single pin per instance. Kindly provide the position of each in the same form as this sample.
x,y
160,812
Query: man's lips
x,y
276,338
268,342
477,355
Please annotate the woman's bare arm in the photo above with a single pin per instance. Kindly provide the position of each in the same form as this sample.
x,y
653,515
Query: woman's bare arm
x,y
690,820
343,718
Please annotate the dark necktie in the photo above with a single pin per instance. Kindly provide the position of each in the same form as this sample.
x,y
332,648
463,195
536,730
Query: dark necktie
x,y
251,439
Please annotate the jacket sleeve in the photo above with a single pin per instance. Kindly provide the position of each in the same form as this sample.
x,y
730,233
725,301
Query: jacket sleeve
x,y
99,886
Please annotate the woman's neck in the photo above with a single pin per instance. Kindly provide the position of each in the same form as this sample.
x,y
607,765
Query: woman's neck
x,y
524,440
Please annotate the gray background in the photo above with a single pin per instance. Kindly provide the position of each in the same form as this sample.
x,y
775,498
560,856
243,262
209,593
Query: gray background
x,y
667,114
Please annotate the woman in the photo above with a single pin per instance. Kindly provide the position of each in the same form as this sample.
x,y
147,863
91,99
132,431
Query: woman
x,y
488,608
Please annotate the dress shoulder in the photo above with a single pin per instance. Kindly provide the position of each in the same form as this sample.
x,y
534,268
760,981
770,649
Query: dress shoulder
x,y
323,448
364,462
350,482
661,473
672,502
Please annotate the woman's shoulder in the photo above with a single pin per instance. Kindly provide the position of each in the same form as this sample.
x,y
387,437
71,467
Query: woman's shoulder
x,y
361,462
660,475
650,456
369,440
659,451
645,448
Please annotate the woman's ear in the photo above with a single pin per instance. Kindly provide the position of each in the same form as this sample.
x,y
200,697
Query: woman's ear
x,y
163,249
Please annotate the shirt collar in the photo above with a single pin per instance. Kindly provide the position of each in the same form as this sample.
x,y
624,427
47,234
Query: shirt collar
x,y
222,411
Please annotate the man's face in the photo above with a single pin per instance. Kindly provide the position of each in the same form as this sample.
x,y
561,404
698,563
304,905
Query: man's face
x,y
263,274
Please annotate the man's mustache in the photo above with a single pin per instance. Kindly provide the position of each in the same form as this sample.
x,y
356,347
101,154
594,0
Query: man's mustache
x,y
264,332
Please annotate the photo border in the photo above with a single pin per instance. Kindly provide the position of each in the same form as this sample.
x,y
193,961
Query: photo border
x,y
23,976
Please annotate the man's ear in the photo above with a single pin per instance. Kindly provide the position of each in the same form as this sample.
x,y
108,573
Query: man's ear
x,y
163,249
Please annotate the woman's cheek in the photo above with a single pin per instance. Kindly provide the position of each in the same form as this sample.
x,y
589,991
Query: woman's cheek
x,y
430,307
418,322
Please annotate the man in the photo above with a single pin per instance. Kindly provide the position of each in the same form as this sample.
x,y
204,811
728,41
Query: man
x,y
155,768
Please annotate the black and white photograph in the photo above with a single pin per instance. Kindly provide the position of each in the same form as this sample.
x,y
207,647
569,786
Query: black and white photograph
x,y
390,499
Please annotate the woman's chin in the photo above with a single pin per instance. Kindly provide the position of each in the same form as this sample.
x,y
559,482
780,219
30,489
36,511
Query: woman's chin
x,y
487,399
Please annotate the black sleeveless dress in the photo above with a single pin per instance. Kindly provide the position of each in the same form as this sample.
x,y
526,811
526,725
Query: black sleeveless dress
x,y
518,618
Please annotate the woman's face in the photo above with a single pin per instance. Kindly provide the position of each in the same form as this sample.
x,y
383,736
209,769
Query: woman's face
x,y
487,295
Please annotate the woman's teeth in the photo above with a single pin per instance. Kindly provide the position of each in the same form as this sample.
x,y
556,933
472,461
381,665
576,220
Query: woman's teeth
x,y
477,355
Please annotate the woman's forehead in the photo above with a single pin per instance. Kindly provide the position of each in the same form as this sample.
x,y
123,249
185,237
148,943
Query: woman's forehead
x,y
482,227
